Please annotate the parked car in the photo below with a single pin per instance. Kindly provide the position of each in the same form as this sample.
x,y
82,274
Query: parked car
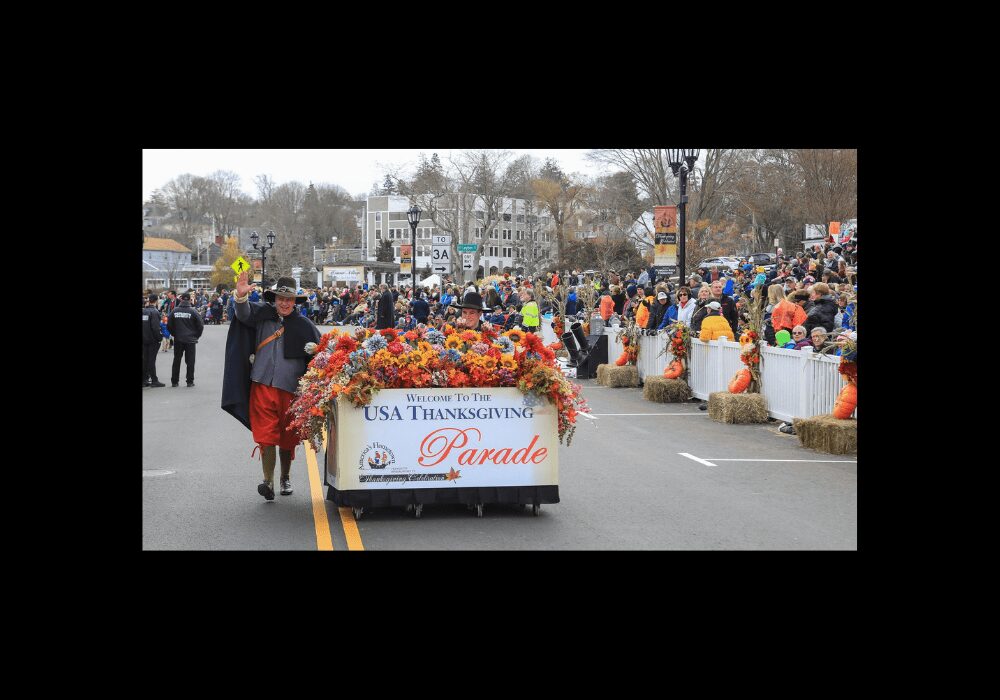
x,y
766,260
724,263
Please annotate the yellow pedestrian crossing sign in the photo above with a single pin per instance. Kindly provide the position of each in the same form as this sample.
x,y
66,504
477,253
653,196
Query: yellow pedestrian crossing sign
x,y
240,266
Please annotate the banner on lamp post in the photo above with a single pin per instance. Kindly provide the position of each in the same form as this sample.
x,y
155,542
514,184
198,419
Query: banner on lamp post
x,y
665,226
406,259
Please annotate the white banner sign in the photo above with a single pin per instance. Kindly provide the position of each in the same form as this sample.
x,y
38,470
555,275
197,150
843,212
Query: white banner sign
x,y
443,438
343,274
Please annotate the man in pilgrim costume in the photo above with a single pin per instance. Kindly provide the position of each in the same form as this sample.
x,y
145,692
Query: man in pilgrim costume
x,y
265,358
471,310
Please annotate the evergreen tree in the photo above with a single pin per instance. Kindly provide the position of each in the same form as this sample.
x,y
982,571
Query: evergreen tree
x,y
384,252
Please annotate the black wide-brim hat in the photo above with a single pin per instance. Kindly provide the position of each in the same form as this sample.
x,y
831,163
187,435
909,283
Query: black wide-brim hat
x,y
285,288
471,300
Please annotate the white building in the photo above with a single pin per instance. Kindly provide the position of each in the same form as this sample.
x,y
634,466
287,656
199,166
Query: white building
x,y
166,264
522,240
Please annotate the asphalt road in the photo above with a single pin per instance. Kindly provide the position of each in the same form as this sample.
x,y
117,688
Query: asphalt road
x,y
623,485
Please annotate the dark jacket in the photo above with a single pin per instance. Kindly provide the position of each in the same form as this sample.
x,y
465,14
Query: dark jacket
x,y
384,316
728,310
421,310
656,313
151,332
185,323
700,311
241,343
619,300
821,313
571,304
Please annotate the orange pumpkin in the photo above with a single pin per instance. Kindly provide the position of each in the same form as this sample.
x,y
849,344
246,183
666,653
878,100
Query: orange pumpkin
x,y
622,360
739,382
847,401
673,370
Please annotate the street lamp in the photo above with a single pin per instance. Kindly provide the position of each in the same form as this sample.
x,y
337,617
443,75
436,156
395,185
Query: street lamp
x,y
413,216
263,252
682,162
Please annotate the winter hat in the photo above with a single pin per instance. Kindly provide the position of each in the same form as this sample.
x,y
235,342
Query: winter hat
x,y
631,290
782,337
714,305
662,295
759,279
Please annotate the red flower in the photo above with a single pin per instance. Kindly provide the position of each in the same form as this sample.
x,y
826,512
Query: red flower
x,y
389,333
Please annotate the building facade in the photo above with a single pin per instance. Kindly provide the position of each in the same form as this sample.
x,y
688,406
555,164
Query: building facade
x,y
166,264
521,241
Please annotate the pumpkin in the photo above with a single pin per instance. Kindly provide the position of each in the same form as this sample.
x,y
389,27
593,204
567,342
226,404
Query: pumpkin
x,y
622,359
739,382
847,401
673,370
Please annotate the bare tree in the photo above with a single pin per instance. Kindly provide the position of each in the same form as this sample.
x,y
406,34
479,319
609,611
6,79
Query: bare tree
x,y
647,166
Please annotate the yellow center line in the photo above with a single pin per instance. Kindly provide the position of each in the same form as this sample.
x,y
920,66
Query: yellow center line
x,y
324,542
350,526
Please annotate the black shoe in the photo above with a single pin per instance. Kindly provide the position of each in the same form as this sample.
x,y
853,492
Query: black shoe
x,y
157,384
174,384
286,487
145,384
703,406
190,383
266,490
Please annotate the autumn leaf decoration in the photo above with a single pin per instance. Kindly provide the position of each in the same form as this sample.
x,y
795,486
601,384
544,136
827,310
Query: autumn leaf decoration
x,y
452,475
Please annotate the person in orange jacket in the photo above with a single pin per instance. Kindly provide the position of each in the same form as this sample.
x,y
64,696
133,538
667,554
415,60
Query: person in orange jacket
x,y
607,305
790,312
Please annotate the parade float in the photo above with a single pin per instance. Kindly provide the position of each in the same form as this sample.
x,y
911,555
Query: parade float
x,y
429,416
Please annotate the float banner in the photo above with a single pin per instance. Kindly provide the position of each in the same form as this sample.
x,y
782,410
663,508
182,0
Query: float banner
x,y
406,259
437,438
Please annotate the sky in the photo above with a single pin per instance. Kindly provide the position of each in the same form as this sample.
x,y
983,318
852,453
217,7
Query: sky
x,y
353,169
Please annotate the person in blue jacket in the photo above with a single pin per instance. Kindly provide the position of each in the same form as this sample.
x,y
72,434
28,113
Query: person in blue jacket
x,y
571,302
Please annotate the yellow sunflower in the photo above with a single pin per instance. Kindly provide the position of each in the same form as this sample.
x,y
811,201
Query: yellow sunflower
x,y
515,335
423,346
489,363
508,362
453,342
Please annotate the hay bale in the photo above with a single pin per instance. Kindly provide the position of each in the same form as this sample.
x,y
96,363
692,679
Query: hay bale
x,y
737,408
663,390
828,434
602,374
618,377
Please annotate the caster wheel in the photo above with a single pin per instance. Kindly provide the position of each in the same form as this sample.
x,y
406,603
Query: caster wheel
x,y
479,510
535,508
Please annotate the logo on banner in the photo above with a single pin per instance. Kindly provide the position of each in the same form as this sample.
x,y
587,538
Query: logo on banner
x,y
376,456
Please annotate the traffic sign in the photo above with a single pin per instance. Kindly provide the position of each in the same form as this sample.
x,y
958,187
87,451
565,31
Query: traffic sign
x,y
441,254
468,248
441,240
467,261
240,265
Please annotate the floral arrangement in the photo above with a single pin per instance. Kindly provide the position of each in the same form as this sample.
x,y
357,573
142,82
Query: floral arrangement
x,y
750,356
629,337
680,348
358,366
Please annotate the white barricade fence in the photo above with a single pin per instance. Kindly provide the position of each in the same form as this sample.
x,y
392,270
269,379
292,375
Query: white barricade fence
x,y
615,347
795,383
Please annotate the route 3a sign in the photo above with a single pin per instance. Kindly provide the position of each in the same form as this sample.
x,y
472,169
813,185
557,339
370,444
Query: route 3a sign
x,y
441,254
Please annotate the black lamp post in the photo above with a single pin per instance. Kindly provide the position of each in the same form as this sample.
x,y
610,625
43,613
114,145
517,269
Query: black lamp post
x,y
263,253
413,216
682,162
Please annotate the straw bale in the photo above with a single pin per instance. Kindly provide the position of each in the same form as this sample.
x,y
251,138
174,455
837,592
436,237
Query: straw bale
x,y
828,434
737,408
618,377
663,390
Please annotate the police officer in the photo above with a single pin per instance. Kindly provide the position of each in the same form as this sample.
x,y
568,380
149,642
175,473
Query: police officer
x,y
151,337
186,325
